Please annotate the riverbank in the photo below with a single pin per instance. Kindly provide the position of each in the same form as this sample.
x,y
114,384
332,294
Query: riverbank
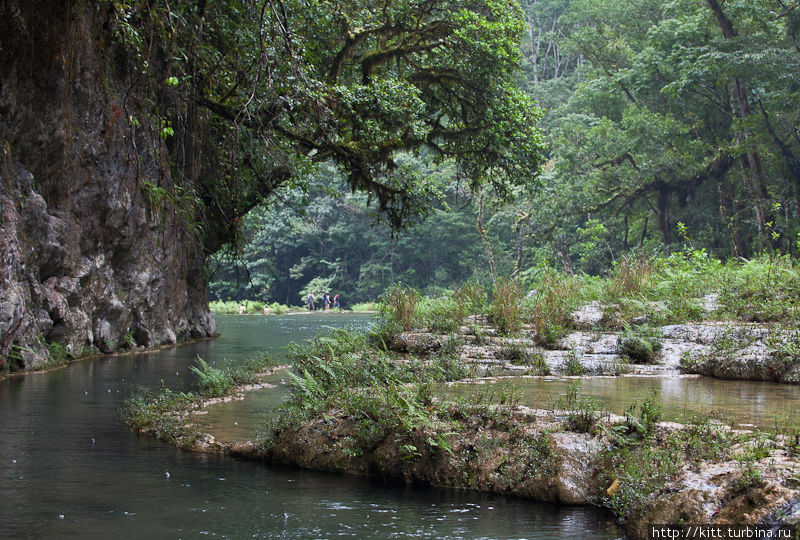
x,y
351,417
361,408
255,307
373,406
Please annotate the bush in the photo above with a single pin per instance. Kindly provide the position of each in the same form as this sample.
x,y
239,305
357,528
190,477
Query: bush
x,y
641,344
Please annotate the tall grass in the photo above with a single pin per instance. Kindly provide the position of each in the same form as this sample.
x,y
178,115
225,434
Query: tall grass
x,y
505,310
399,306
470,297
550,308
630,276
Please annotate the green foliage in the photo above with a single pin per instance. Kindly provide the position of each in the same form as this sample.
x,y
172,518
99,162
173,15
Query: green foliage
x,y
645,142
355,85
163,414
159,415
439,315
212,381
59,354
583,412
764,290
642,417
641,343
470,297
505,309
548,311
572,365
347,372
399,306
643,469
630,276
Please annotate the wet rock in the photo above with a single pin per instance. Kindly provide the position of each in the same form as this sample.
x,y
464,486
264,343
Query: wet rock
x,y
574,478
80,249
169,337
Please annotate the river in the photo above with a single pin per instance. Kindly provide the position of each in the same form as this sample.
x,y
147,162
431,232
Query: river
x,y
69,468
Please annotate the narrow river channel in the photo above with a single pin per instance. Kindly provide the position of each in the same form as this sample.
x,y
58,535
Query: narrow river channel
x,y
70,469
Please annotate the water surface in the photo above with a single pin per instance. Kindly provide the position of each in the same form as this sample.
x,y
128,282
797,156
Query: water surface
x,y
70,469
741,403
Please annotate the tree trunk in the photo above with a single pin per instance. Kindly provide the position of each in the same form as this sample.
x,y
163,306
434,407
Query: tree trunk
x,y
486,244
741,109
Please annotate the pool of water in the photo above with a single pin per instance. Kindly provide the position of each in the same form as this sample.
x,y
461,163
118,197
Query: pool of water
x,y
741,403
70,469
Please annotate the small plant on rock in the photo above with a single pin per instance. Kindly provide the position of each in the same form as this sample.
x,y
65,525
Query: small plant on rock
x,y
583,412
573,365
641,344
642,417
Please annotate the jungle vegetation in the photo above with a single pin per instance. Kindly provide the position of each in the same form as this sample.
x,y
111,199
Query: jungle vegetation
x,y
666,125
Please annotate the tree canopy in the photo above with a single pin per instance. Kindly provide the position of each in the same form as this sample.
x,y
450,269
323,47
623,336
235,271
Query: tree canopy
x,y
251,94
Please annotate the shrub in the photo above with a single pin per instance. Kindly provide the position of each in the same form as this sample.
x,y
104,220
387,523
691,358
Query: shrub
x,y
641,344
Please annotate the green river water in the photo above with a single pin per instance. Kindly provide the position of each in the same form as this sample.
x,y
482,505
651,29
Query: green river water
x,y
70,469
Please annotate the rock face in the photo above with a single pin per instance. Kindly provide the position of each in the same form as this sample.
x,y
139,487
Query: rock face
x,y
87,260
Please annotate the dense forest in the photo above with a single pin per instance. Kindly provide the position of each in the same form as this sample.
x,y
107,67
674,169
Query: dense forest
x,y
667,124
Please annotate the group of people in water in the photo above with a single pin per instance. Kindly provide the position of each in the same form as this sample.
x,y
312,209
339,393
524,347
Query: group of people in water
x,y
327,302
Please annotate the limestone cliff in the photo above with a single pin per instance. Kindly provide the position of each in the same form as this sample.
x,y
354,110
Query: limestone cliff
x,y
89,258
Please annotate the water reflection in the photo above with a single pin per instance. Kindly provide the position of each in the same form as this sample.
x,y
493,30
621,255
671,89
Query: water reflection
x,y
744,403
